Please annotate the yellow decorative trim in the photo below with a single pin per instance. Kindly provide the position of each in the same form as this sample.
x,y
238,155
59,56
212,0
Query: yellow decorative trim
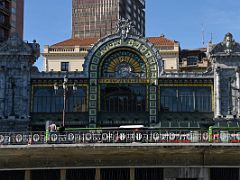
x,y
126,49
135,65
187,84
119,81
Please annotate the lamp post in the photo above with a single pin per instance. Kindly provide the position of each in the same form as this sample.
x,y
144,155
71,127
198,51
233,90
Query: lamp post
x,y
65,92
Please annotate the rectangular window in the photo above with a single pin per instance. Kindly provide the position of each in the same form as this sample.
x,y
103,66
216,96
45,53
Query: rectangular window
x,y
192,60
64,66
186,99
46,100
123,98
13,10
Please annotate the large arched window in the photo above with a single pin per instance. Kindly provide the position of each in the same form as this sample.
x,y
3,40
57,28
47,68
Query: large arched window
x,y
123,64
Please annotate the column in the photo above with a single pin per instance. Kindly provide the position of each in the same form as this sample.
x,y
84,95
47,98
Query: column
x,y
238,90
2,92
62,174
132,173
205,173
27,175
97,175
217,93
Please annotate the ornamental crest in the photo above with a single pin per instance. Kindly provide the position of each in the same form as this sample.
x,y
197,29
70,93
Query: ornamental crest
x,y
227,47
228,43
124,26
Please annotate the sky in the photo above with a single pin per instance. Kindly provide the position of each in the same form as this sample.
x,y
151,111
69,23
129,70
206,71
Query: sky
x,y
49,21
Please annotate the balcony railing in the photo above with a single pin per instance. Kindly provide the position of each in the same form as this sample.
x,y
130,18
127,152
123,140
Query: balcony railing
x,y
121,136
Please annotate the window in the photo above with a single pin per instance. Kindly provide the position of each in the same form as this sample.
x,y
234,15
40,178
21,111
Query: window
x,y
13,10
123,98
2,18
192,60
186,99
64,66
45,100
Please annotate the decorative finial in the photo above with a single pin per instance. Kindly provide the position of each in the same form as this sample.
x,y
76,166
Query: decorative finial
x,y
228,43
162,35
124,26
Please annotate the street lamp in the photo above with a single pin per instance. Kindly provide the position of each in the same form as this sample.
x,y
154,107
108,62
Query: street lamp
x,y
65,91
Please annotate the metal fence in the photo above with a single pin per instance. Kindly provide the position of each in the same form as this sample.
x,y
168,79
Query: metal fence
x,y
120,136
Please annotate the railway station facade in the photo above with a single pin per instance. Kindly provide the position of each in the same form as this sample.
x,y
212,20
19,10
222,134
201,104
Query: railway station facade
x,y
191,119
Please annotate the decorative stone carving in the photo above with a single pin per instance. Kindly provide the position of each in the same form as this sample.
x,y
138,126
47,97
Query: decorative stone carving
x,y
228,43
16,60
124,26
15,46
227,47
225,59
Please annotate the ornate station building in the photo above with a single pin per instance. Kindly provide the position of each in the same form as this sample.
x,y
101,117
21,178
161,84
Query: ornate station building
x,y
178,125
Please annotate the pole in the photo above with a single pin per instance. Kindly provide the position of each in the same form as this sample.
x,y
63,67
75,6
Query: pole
x,y
64,106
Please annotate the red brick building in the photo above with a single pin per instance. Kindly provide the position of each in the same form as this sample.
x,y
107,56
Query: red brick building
x,y
11,18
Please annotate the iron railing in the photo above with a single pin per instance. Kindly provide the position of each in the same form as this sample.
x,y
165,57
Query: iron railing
x,y
121,136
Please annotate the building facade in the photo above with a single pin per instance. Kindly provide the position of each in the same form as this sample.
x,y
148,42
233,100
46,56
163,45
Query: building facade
x,y
192,60
17,17
191,119
11,18
69,55
98,18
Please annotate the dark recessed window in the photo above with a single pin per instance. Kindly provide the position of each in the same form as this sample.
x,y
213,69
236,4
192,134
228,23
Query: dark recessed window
x,y
64,66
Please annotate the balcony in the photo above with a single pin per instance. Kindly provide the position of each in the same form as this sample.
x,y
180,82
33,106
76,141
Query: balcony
x,y
4,9
5,25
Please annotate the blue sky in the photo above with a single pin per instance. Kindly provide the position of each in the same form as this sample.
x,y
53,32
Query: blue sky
x,y
49,21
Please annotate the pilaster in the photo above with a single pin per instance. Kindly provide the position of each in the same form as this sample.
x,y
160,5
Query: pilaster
x,y
217,84
238,90
98,175
132,173
27,175
63,174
